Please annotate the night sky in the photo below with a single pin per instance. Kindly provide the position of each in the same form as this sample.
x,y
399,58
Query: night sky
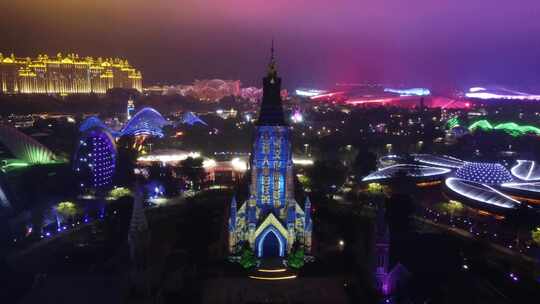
x,y
318,43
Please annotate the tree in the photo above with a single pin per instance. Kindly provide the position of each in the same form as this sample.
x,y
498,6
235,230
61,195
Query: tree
x,y
375,189
68,210
127,158
402,182
327,177
296,259
247,258
452,208
365,163
535,236
192,169
399,211
170,183
521,221
119,192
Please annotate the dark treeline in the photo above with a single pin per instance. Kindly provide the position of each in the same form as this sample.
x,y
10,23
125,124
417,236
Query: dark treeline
x,y
113,102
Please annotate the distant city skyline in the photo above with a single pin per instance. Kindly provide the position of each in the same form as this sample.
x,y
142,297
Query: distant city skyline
x,y
318,43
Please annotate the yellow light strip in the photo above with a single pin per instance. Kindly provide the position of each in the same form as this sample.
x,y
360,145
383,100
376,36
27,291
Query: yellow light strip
x,y
527,199
427,184
272,270
273,279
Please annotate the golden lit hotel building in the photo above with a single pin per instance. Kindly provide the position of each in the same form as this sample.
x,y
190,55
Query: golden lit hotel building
x,y
65,75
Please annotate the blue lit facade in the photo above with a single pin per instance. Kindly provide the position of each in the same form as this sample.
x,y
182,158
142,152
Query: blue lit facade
x,y
271,221
92,122
95,159
272,159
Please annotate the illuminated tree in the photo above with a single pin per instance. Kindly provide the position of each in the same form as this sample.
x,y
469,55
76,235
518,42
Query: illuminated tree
x,y
296,259
535,235
68,210
119,192
376,193
304,181
452,208
375,189
248,259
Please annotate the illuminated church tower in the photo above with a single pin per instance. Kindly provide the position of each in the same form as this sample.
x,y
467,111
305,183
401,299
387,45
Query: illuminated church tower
x,y
271,221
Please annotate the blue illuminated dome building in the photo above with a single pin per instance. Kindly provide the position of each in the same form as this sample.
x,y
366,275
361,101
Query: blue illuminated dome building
x,y
146,122
271,221
484,173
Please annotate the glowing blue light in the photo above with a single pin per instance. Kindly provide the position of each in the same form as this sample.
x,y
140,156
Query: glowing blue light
x,y
441,161
530,187
417,171
147,121
309,92
484,173
190,118
264,235
409,92
476,89
526,170
499,93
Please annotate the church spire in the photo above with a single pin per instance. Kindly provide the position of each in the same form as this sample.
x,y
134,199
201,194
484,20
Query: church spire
x,y
271,113
272,69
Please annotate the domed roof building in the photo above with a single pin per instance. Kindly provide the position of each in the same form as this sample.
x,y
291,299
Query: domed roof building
x,y
95,159
484,173
147,121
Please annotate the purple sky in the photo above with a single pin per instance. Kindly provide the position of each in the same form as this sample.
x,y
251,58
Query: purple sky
x,y
318,43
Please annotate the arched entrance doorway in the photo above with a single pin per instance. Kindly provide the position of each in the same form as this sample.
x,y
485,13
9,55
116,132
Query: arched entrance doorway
x,y
271,244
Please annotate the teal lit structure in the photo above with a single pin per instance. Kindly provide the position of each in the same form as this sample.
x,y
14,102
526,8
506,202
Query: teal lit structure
x,y
24,148
271,221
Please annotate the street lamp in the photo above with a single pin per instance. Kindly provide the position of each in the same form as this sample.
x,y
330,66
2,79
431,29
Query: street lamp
x,y
341,244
